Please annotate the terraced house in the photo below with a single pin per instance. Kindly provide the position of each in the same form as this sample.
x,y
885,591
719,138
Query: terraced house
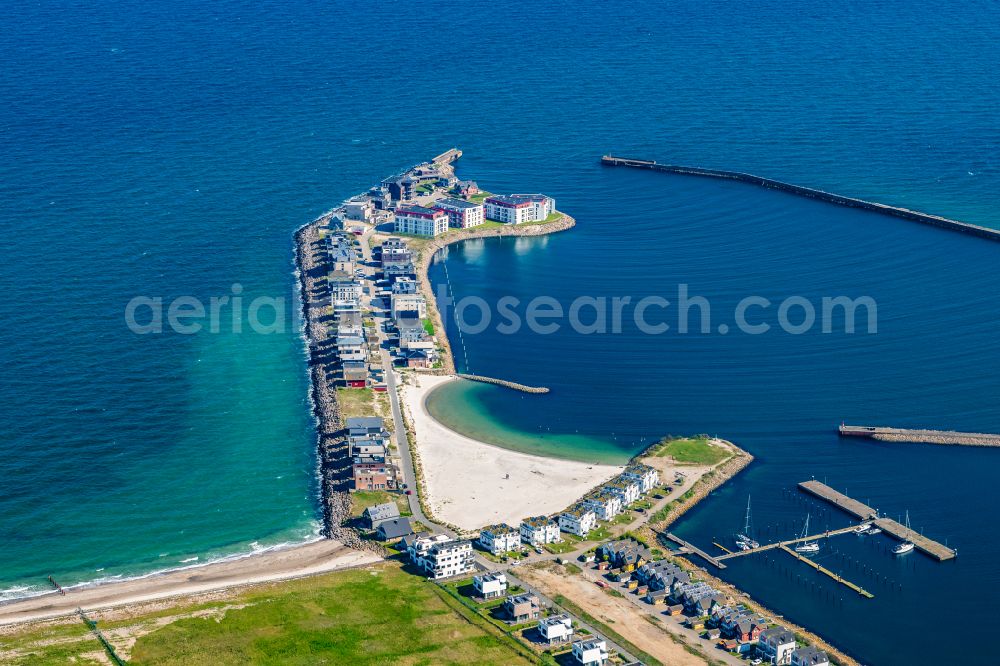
x,y
499,539
578,519
539,530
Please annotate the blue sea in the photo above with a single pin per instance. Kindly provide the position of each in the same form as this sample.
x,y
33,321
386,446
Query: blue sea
x,y
171,149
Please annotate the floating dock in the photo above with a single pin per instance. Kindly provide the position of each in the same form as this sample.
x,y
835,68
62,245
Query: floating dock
x,y
783,544
862,511
808,192
948,437
843,581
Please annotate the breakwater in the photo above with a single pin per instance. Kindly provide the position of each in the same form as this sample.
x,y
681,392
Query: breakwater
x,y
811,193
505,383
428,251
946,437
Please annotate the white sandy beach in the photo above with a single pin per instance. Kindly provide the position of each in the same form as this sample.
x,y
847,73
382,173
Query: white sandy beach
x,y
465,479
294,562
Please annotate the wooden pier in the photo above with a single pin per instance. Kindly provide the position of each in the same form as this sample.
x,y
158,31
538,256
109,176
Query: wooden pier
x,y
783,544
691,548
947,437
843,581
862,511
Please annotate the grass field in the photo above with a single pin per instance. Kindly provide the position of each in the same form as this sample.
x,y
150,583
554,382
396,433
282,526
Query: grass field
x,y
362,499
356,402
692,451
367,616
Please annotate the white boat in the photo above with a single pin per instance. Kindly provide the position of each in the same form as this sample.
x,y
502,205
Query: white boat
x,y
873,530
807,546
905,546
862,528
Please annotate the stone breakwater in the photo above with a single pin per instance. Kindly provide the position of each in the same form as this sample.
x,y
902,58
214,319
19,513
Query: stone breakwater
x,y
429,250
810,193
503,382
707,485
945,437
312,261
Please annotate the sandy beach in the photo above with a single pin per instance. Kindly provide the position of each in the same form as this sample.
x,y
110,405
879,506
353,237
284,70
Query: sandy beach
x,y
298,561
465,479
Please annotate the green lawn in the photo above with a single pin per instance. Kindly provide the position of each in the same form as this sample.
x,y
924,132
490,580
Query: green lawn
x,y
481,197
693,451
366,616
356,402
362,499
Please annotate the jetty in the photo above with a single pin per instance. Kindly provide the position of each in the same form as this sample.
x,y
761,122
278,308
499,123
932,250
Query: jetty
x,y
783,544
917,436
503,382
862,511
686,547
811,193
823,570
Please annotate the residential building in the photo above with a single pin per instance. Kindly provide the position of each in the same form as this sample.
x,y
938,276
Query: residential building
x,y
539,530
351,348
393,272
401,303
522,607
418,358
421,544
461,214
662,575
396,528
647,477
605,504
556,628
626,489
343,257
359,208
466,188
395,253
373,476
810,656
578,520
592,652
448,558
490,585
344,287
404,285
421,221
628,554
776,645
499,539
518,208
374,516
354,373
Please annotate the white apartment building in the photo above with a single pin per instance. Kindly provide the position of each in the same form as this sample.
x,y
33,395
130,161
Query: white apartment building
x,y
539,530
776,645
604,503
440,556
519,208
578,520
647,477
499,539
625,488
421,221
461,214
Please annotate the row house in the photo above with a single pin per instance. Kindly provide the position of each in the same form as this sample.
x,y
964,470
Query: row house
x,y
627,489
647,477
539,530
625,553
662,575
499,539
605,504
578,520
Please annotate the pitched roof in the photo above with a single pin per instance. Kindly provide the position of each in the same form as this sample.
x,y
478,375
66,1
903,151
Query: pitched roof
x,y
395,528
382,511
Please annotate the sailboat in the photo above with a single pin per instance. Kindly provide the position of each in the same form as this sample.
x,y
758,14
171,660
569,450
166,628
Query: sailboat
x,y
743,540
807,546
907,545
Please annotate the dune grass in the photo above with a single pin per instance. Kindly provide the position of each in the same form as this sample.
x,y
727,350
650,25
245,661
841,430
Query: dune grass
x,y
692,451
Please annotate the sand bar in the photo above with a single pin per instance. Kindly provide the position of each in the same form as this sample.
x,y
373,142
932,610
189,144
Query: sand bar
x,y
294,562
465,480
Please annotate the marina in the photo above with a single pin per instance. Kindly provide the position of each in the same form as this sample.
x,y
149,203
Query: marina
x,y
891,527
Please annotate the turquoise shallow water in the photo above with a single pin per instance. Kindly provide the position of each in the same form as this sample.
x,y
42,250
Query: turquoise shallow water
x,y
171,149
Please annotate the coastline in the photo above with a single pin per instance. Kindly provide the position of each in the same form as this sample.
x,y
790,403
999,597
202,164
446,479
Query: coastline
x,y
296,561
469,484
